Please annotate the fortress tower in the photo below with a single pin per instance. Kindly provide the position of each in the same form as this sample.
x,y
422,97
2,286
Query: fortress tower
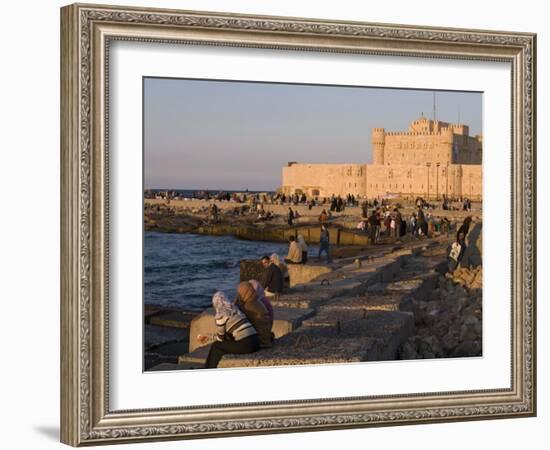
x,y
378,144
446,145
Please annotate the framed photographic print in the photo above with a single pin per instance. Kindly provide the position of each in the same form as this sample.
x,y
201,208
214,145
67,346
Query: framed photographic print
x,y
336,220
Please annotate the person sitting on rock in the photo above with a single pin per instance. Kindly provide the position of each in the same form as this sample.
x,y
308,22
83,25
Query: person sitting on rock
x,y
235,334
276,260
303,246
294,252
272,280
255,311
456,251
260,292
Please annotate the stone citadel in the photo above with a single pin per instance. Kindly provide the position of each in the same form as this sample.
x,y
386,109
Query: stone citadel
x,y
431,159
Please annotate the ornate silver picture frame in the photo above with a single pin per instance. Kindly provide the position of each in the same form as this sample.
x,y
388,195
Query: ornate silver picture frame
x,y
87,33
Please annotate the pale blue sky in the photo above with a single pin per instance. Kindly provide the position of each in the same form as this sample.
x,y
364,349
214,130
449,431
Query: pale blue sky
x,y
232,135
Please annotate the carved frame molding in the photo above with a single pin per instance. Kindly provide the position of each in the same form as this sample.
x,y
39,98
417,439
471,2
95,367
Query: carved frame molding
x,y
86,32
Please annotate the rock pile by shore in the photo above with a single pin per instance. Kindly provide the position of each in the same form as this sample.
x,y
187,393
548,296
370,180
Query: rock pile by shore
x,y
449,323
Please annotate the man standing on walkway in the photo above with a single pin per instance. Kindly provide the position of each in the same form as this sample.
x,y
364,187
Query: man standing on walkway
x,y
290,216
324,243
373,227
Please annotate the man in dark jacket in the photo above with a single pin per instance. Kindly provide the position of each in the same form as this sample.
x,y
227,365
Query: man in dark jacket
x,y
374,223
272,280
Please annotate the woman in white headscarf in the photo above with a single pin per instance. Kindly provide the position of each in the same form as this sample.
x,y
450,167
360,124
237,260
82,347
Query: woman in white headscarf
x,y
234,332
303,246
275,259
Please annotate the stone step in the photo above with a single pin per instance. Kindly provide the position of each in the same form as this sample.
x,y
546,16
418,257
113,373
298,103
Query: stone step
x,y
316,293
375,338
286,319
371,302
419,288
308,346
196,357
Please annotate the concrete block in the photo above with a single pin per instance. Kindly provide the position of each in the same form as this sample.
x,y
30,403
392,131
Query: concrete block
x,y
299,273
419,287
196,357
308,346
314,235
304,273
287,232
202,324
333,236
346,237
286,319
388,272
376,338
368,302
334,317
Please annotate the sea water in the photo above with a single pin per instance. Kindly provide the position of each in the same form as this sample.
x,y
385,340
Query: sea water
x,y
184,270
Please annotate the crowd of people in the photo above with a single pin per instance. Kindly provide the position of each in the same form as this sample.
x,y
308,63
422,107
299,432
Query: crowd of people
x,y
336,203
392,224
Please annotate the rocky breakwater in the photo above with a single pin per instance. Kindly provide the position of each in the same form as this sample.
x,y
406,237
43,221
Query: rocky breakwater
x,y
169,219
449,322
359,311
186,217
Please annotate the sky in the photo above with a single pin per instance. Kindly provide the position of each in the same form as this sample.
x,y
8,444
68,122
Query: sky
x,y
233,135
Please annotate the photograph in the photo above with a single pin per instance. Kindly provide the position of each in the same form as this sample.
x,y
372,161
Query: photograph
x,y
291,224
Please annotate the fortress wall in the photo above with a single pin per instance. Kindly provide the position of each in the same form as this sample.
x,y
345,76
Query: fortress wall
x,y
399,180
323,180
371,180
412,181
472,181
417,148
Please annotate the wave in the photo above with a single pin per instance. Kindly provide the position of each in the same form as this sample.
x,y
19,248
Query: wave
x,y
191,266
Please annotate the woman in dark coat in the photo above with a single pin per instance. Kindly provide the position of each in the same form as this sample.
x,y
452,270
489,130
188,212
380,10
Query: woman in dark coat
x,y
255,311
465,227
